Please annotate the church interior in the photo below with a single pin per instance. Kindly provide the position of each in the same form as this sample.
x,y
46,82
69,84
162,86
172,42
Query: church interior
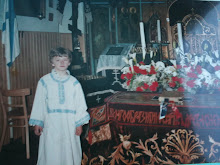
x,y
150,73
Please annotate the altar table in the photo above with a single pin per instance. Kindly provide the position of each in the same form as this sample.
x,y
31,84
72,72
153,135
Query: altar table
x,y
127,130
111,57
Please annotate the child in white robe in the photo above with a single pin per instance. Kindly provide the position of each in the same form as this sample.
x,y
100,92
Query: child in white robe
x,y
58,113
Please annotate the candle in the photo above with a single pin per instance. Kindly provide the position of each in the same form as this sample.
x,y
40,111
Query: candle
x,y
151,54
158,31
143,44
180,37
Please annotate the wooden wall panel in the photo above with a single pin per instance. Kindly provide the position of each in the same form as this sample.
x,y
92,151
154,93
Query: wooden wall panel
x,y
32,63
2,78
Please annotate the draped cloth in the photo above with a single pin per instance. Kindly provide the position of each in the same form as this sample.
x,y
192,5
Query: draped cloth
x,y
10,32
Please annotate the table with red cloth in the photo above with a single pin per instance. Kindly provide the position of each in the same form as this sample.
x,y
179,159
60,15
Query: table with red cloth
x,y
127,130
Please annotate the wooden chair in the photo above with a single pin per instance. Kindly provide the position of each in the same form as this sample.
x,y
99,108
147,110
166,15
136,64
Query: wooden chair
x,y
15,114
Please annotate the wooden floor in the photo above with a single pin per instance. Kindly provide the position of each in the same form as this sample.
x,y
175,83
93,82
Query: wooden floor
x,y
15,152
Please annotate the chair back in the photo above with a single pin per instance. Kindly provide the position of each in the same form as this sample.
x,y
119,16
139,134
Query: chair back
x,y
15,114
15,99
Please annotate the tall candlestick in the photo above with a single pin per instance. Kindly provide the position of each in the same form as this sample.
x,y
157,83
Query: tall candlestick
x,y
180,37
143,44
158,31
140,11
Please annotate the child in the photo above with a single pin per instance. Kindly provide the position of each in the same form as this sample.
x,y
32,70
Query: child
x,y
58,113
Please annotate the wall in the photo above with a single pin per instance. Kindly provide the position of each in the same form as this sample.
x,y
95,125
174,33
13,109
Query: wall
x,y
59,24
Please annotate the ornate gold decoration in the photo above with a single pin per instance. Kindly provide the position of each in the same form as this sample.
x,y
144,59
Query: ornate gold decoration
x,y
153,147
99,160
84,159
119,154
213,150
183,145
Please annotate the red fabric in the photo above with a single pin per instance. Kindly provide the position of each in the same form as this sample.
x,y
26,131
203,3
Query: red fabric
x,y
90,137
176,111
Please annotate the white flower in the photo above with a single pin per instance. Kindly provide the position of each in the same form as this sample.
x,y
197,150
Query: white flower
x,y
189,56
133,56
142,78
201,59
164,74
194,61
173,62
198,82
124,85
145,67
125,70
131,64
159,66
152,78
125,60
175,74
216,54
187,70
217,73
169,69
209,59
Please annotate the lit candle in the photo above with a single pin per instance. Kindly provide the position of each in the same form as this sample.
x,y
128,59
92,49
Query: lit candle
x,y
180,37
143,44
158,31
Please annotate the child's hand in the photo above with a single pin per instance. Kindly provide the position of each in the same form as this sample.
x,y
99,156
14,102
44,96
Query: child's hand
x,y
38,130
78,130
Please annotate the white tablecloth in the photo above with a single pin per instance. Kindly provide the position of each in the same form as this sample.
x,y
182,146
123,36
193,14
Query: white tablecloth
x,y
110,62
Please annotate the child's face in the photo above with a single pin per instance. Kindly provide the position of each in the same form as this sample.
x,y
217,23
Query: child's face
x,y
60,63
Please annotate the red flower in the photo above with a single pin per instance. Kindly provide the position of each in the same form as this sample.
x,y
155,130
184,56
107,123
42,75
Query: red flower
x,y
146,86
141,63
175,78
205,84
154,86
129,75
144,72
190,83
199,69
181,80
128,82
136,69
172,84
192,75
139,89
216,81
192,69
122,76
178,66
217,68
152,70
180,89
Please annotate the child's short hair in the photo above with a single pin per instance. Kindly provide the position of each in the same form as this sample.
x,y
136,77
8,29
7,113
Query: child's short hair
x,y
60,51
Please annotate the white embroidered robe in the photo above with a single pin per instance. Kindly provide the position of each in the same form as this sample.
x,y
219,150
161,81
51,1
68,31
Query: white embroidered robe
x,y
59,107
